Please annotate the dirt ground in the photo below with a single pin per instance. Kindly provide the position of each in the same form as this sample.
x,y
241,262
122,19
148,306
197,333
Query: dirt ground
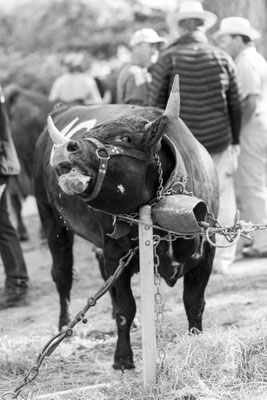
x,y
236,299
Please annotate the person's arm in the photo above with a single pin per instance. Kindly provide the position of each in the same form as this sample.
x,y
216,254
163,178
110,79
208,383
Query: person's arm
x,y
234,102
248,107
54,92
3,182
107,98
94,96
159,87
251,87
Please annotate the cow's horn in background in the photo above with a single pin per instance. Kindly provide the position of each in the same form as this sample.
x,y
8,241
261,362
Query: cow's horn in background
x,y
55,134
173,105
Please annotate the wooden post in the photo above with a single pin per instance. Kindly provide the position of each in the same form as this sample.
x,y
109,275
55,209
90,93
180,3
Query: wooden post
x,y
147,296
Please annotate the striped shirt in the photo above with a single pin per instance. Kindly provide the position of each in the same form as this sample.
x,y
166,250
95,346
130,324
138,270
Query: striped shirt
x,y
210,94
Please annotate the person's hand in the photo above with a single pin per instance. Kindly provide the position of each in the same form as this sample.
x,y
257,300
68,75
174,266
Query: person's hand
x,y
235,152
2,188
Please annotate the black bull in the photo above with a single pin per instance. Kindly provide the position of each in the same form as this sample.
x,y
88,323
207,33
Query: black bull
x,y
79,178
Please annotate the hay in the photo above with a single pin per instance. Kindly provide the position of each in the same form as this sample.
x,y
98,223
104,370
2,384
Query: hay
x,y
217,365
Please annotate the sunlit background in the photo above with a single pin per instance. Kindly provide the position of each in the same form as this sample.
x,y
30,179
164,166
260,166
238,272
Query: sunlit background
x,y
35,35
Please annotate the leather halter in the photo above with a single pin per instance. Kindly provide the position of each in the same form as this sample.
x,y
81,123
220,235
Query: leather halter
x,y
109,150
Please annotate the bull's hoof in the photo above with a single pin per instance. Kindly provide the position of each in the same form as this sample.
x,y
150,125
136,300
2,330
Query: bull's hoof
x,y
195,331
123,363
63,321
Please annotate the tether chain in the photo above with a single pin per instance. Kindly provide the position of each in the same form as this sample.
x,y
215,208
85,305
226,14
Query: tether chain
x,y
52,344
160,190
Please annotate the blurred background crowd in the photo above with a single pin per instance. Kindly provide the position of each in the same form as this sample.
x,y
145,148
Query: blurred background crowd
x,y
36,36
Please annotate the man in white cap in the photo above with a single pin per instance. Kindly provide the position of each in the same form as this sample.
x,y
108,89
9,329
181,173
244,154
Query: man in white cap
x,y
236,36
134,79
210,103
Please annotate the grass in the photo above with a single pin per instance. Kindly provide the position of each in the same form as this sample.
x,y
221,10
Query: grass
x,y
220,364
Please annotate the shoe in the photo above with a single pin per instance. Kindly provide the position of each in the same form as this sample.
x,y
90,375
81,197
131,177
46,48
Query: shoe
x,y
15,294
249,252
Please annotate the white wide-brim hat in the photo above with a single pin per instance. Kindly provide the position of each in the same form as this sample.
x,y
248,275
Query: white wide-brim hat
x,y
194,9
237,26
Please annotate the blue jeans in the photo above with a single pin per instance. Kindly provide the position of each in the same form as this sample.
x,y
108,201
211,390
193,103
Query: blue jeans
x,y
10,249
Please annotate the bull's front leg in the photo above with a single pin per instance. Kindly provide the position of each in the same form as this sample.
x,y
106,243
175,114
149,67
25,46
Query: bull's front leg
x,y
62,273
124,307
195,282
60,242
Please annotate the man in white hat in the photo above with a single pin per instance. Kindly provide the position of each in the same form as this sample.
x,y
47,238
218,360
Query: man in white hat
x,y
210,103
236,36
134,79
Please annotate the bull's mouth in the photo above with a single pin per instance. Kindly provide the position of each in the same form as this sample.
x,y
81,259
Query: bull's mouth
x,y
63,168
71,179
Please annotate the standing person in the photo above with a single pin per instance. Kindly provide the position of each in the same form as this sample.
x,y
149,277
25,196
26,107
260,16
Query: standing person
x,y
210,103
16,283
75,85
236,36
134,78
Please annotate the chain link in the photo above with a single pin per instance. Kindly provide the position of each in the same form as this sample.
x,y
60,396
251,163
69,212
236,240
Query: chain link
x,y
160,190
159,306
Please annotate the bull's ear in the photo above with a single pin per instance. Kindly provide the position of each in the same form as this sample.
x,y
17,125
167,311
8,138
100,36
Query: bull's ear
x,y
153,133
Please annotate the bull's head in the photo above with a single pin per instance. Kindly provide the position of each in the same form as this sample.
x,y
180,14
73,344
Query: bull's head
x,y
113,167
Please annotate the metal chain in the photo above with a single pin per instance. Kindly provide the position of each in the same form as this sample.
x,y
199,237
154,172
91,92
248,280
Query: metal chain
x,y
175,185
160,190
159,306
53,343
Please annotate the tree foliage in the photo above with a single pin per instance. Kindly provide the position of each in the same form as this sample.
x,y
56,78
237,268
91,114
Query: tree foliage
x,y
35,35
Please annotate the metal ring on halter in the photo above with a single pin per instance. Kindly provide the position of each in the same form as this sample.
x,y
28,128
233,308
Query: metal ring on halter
x,y
99,156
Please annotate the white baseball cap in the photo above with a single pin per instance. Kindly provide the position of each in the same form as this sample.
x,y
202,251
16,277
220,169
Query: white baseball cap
x,y
146,35
237,26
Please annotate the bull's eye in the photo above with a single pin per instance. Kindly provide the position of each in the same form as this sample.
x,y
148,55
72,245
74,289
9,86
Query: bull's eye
x,y
125,139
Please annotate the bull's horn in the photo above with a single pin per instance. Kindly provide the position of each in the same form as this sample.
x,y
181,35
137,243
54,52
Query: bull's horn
x,y
55,134
173,105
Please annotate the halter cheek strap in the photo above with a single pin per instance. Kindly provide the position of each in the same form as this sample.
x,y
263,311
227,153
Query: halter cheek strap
x,y
103,165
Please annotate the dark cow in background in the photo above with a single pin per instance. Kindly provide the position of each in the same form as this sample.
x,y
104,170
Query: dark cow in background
x,y
27,111
108,160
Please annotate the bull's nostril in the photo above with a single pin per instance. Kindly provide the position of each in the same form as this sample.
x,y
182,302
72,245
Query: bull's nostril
x,y
72,146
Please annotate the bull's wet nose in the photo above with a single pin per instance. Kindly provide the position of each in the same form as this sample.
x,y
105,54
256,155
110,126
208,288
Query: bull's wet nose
x,y
72,146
